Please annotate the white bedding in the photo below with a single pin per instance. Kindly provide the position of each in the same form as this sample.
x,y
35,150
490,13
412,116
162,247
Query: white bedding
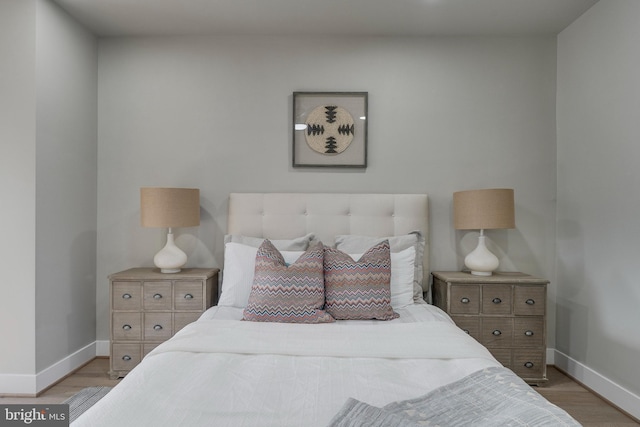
x,y
418,312
219,371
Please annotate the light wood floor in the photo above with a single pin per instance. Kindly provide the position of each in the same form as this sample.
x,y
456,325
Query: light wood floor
x,y
583,405
94,373
586,407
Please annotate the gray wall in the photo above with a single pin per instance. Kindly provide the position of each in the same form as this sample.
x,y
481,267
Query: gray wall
x,y
598,191
48,180
66,185
445,114
17,185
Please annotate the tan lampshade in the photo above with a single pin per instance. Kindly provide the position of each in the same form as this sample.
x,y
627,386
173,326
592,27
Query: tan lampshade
x,y
169,207
483,209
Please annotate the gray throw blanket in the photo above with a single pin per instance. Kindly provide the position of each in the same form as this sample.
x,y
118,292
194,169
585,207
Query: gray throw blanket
x,y
489,397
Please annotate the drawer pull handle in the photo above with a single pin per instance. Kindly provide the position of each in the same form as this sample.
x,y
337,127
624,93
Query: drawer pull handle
x,y
126,327
497,300
465,300
157,327
188,296
530,302
126,296
528,365
126,357
529,333
466,331
497,333
157,296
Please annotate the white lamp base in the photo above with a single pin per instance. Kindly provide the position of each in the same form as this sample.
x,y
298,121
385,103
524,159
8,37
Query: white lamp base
x,y
481,273
481,261
171,258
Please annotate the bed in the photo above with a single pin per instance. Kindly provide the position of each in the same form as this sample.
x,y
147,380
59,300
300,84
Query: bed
x,y
414,368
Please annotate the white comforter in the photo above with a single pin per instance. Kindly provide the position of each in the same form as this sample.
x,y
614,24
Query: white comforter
x,y
229,373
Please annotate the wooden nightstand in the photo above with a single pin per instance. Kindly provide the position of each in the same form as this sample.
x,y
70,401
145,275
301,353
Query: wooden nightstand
x,y
149,307
505,312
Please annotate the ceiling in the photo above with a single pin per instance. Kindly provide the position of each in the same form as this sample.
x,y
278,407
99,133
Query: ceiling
x,y
326,17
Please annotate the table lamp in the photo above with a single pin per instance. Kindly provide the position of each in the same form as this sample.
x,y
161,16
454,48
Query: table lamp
x,y
483,210
169,208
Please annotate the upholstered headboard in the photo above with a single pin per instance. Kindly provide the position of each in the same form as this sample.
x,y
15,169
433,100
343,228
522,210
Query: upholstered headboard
x,y
289,215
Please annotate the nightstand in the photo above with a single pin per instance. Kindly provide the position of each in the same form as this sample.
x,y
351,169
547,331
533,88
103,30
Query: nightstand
x,y
506,312
149,307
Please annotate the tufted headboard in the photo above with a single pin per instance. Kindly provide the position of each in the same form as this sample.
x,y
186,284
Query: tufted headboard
x,y
290,215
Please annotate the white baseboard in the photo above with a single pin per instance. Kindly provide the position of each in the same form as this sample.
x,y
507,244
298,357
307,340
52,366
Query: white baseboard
x,y
614,393
103,348
18,384
31,385
58,370
551,356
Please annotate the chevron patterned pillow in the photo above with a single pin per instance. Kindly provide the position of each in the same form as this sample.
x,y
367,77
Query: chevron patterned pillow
x,y
359,289
288,294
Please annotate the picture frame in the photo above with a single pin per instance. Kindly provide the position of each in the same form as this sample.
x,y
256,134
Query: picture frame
x,y
330,129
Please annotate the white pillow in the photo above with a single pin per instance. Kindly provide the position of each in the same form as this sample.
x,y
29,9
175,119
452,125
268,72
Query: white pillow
x,y
402,273
239,268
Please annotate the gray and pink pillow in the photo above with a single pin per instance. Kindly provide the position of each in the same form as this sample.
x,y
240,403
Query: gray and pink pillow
x,y
359,289
288,293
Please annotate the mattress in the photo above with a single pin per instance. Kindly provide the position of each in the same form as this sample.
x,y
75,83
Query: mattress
x,y
225,372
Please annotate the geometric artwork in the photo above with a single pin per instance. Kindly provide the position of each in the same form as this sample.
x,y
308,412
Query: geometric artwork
x,y
329,129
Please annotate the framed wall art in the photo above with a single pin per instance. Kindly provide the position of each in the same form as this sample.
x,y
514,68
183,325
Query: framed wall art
x,y
330,129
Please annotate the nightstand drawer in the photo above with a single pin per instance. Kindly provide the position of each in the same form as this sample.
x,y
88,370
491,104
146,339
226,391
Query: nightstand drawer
x,y
126,326
157,295
188,296
509,318
470,325
148,347
528,363
148,307
126,296
125,356
497,332
157,326
496,299
502,355
528,331
465,299
180,320
529,300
